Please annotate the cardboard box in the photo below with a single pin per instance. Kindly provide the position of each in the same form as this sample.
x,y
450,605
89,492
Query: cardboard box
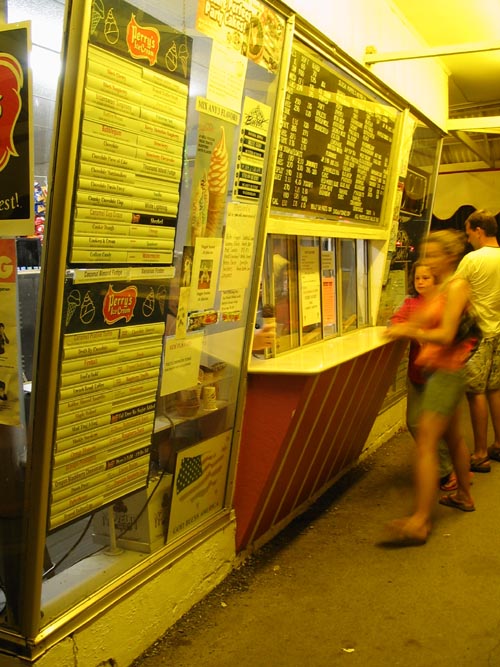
x,y
140,519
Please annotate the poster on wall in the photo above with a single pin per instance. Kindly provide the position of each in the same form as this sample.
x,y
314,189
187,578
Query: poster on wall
x,y
16,153
132,141
211,171
238,252
206,262
250,27
10,382
310,285
199,483
112,347
226,77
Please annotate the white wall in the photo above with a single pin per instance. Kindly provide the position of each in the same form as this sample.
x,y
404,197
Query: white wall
x,y
480,189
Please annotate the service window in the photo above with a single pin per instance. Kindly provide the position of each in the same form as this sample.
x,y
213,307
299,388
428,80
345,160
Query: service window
x,y
349,285
309,289
329,288
280,290
362,283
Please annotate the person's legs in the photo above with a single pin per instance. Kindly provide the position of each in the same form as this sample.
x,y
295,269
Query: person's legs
x,y
431,427
414,395
459,453
444,460
413,408
478,409
477,370
439,416
493,398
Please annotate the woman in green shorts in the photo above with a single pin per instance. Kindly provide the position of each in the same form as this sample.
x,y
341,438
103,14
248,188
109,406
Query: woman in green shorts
x,y
442,357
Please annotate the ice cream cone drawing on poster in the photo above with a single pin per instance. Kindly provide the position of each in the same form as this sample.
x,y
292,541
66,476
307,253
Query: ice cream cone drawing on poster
x,y
218,176
74,301
199,209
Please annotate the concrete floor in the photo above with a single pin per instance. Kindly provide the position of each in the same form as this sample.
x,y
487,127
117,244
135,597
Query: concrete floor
x,y
325,592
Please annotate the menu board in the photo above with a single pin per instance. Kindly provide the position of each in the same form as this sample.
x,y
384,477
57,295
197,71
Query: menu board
x,y
111,357
335,144
132,139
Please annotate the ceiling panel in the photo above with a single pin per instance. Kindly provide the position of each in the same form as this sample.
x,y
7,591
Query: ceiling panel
x,y
474,89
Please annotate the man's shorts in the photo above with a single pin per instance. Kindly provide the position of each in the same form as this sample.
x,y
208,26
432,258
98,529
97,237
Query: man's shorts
x,y
443,392
482,371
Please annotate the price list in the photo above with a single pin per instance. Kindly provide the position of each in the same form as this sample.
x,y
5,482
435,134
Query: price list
x,y
335,144
108,381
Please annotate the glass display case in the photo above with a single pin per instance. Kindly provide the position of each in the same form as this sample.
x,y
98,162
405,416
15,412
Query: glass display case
x,y
152,128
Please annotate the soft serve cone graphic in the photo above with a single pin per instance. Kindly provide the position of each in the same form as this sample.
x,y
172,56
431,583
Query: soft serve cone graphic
x,y
218,176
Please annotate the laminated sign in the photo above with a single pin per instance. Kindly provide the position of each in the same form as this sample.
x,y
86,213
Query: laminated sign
x,y
10,388
16,160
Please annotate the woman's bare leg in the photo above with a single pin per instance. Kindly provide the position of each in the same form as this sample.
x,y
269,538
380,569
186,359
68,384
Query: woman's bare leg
x,y
460,457
431,428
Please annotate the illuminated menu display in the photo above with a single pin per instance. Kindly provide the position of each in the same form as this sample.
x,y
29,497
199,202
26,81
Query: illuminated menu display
x,y
335,144
112,346
132,140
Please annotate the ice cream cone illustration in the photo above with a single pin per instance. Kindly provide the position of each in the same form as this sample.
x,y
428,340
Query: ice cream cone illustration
x,y
97,14
148,305
184,58
218,175
199,209
87,311
74,300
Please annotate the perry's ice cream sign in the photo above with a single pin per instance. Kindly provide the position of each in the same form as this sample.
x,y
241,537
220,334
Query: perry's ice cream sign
x,y
119,305
142,42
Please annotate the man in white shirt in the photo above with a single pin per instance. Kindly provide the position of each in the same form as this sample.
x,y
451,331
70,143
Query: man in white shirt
x,y
481,268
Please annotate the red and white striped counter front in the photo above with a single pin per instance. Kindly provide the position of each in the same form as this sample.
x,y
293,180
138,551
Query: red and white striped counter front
x,y
307,416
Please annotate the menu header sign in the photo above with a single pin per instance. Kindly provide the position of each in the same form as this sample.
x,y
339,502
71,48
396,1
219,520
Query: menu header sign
x,y
16,171
136,36
335,144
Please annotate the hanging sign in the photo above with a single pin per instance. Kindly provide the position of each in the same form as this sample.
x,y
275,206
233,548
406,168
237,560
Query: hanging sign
x,y
249,26
16,159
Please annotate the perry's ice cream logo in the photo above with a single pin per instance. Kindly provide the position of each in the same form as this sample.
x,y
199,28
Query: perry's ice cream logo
x,y
119,305
142,42
11,82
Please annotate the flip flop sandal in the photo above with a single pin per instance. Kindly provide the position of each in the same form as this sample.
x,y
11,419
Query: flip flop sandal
x,y
480,465
450,483
494,453
452,501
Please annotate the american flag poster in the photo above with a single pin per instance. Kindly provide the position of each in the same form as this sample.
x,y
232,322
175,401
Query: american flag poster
x,y
199,483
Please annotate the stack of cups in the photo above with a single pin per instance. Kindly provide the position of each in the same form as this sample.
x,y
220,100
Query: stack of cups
x,y
209,398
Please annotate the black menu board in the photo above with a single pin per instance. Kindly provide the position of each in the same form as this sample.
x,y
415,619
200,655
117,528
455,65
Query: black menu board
x,y
335,144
